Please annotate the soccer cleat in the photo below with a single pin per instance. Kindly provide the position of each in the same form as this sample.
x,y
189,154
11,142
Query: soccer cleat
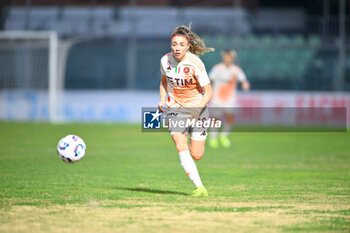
x,y
200,192
214,143
225,142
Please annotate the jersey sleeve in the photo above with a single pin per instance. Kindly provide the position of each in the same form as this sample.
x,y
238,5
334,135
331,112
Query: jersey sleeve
x,y
241,76
161,68
201,74
213,73
203,78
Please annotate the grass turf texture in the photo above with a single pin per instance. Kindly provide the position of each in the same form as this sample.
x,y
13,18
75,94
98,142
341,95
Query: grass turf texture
x,y
133,182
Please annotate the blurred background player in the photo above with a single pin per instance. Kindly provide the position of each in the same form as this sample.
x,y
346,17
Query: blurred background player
x,y
225,77
187,84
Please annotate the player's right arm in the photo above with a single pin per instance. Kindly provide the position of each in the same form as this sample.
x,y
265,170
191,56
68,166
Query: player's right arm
x,y
162,91
213,74
163,85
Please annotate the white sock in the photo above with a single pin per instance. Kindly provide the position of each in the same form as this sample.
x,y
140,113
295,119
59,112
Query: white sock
x,y
190,167
226,129
213,133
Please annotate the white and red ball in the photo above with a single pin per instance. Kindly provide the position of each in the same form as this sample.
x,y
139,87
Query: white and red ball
x,y
71,148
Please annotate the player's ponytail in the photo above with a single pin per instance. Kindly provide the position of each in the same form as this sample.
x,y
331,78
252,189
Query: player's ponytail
x,y
197,46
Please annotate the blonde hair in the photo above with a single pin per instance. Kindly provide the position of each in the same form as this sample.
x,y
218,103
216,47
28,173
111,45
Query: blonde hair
x,y
197,45
232,53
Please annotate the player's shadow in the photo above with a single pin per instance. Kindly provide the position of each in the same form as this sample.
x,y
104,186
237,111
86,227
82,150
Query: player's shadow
x,y
148,190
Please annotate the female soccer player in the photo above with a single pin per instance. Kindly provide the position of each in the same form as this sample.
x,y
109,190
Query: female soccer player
x,y
185,81
224,77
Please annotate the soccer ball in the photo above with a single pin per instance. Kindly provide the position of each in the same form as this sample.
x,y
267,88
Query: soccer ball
x,y
71,148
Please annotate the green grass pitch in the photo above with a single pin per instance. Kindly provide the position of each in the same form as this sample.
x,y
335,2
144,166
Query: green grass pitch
x,y
131,181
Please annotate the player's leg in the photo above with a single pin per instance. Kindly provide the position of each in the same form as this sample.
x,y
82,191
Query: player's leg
x,y
197,148
198,137
180,140
227,126
213,137
214,132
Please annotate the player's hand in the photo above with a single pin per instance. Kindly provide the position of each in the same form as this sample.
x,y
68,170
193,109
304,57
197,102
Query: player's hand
x,y
245,86
160,105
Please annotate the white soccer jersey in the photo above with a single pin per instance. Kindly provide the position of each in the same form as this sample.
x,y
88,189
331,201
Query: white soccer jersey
x,y
185,80
224,81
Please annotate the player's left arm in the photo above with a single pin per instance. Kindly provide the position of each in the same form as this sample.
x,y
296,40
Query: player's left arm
x,y
245,85
243,80
208,93
204,82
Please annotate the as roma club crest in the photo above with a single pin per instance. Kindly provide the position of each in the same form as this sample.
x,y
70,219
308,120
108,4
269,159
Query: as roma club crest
x,y
186,70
